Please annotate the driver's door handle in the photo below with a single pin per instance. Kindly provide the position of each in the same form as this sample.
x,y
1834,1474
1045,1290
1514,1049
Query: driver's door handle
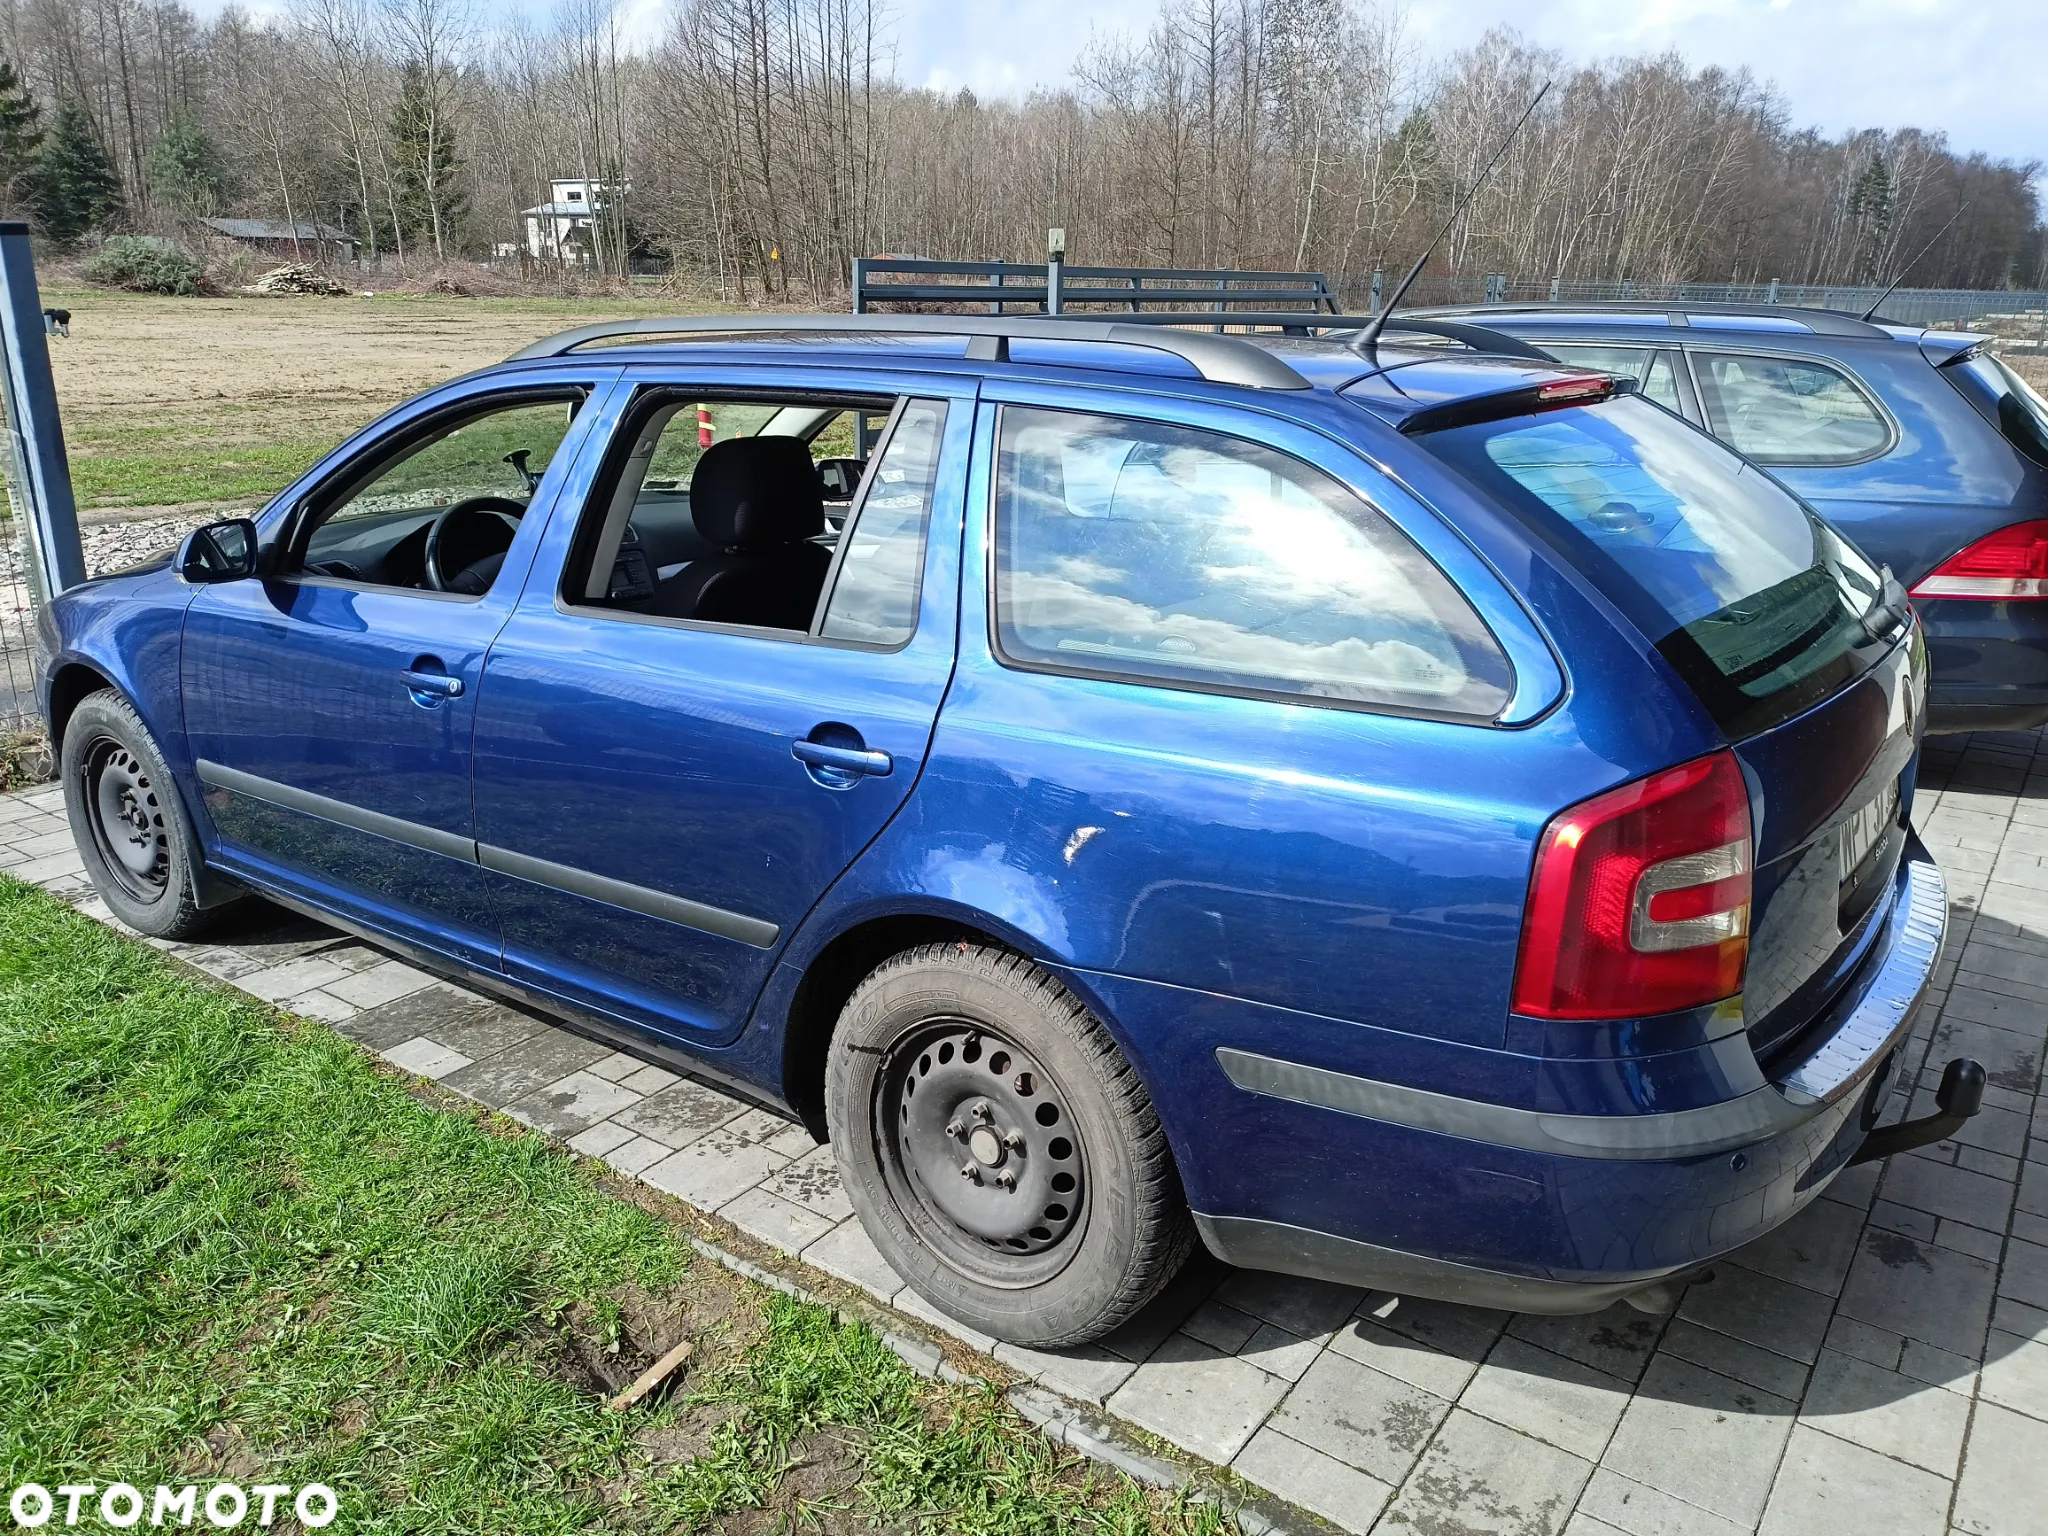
x,y
818,754
439,684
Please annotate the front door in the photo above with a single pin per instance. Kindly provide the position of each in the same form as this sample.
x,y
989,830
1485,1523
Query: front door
x,y
330,705
709,699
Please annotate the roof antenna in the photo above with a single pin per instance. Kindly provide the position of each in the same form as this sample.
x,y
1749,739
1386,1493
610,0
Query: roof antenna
x,y
1906,271
1369,337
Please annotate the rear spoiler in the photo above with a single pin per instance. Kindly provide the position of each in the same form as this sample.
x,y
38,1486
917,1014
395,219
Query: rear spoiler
x,y
1555,395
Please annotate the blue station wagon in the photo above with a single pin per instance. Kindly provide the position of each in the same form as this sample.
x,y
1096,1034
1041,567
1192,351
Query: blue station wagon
x,y
1921,445
1426,819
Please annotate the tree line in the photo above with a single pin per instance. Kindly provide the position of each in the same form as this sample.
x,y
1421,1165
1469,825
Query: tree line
x,y
765,143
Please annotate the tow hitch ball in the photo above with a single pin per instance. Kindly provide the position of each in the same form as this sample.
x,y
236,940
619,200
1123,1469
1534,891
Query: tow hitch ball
x,y
1960,1096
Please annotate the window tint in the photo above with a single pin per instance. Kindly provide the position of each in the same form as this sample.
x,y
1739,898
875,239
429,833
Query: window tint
x,y
1782,410
1136,549
379,533
1753,599
874,598
2009,400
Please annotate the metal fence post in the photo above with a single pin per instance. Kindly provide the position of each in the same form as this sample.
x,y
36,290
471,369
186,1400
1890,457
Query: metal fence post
x,y
40,480
860,285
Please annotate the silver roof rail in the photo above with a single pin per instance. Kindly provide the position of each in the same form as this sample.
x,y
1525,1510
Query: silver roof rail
x,y
1219,359
1821,322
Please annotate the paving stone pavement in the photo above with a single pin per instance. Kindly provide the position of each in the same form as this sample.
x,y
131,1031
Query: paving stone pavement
x,y
1879,1364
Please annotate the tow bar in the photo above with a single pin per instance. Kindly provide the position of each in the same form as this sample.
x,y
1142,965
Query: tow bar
x,y
1960,1096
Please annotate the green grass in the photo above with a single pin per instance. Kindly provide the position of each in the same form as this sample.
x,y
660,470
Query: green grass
x,y
191,470
231,1247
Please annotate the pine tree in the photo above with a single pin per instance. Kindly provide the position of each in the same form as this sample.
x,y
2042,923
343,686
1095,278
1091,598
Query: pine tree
x,y
76,189
1870,205
21,138
183,170
430,204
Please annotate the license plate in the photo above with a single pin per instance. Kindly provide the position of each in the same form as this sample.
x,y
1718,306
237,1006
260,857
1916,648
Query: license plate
x,y
1866,828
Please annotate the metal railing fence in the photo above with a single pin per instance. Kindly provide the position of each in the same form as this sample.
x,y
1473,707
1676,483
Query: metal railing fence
x,y
1057,286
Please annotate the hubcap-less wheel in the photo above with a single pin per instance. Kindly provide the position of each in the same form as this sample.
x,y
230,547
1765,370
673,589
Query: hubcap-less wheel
x,y
978,1134
127,819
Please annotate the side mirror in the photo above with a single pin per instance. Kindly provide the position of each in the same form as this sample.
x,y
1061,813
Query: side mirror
x,y
222,551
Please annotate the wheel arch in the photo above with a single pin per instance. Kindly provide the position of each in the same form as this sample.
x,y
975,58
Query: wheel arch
x,y
70,684
831,971
829,978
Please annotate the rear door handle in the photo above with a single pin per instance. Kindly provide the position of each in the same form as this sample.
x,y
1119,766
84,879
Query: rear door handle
x,y
438,684
818,754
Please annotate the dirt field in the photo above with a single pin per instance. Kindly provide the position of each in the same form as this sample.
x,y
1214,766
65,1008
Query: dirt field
x,y
172,402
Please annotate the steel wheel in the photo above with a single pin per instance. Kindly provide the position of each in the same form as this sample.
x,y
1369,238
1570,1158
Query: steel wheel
x,y
127,819
976,1139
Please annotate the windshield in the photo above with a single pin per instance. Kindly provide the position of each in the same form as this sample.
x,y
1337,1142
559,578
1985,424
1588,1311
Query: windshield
x,y
1756,602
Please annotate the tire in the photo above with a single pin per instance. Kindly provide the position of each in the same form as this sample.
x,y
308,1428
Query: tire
x,y
129,821
999,1150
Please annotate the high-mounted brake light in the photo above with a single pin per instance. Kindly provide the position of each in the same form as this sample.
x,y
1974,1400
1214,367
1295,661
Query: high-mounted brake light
x,y
1565,390
1640,900
1524,400
2010,563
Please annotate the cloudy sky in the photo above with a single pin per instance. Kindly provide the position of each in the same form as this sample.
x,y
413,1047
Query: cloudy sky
x,y
1975,68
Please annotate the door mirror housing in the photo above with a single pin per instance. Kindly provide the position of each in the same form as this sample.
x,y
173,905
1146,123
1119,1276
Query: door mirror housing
x,y
224,551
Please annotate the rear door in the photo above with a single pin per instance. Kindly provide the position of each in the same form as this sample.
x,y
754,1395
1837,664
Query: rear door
x,y
661,798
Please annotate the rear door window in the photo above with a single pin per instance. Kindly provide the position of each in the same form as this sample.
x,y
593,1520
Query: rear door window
x,y
1151,552
1787,410
1756,602
1650,367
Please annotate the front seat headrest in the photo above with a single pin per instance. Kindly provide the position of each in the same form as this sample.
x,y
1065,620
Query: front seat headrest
x,y
751,494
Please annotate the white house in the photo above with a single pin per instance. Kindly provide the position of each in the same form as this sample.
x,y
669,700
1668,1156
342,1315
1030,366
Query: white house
x,y
560,228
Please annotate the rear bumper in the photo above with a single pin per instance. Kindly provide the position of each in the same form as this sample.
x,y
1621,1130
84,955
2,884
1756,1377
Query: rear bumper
x,y
1645,1195
1988,664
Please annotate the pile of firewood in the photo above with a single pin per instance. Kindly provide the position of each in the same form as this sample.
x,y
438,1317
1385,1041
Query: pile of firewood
x,y
296,277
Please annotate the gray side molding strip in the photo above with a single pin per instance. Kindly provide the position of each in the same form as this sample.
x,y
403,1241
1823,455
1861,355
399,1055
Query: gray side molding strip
x,y
1755,1116
561,877
1880,1016
306,803
634,898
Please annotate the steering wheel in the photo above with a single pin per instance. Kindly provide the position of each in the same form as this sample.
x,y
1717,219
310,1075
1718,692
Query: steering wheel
x,y
470,535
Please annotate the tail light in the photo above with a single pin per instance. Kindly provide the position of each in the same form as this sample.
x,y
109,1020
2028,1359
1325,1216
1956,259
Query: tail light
x,y
2013,562
1640,899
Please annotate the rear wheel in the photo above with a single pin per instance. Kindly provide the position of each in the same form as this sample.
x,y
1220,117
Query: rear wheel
x,y
128,821
999,1150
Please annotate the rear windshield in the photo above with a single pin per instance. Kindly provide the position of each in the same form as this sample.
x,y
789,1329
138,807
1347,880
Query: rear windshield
x,y
2009,400
1758,604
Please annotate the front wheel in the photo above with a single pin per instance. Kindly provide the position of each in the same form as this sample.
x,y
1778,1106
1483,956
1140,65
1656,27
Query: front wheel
x,y
999,1150
127,819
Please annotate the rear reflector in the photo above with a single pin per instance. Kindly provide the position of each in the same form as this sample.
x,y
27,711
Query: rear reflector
x,y
2011,563
1640,900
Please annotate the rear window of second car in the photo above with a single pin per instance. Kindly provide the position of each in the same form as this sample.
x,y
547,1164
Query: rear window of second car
x,y
1756,603
1788,410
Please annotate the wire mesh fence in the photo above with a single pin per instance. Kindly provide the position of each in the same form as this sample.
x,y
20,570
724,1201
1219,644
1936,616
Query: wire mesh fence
x,y
17,630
